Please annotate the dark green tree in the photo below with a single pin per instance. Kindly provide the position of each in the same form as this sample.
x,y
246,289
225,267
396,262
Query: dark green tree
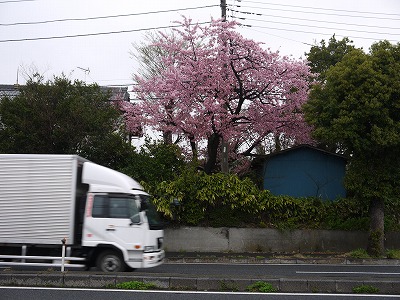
x,y
61,117
358,109
323,56
155,162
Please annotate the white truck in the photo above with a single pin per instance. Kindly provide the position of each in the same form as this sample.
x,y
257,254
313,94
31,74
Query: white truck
x,y
101,216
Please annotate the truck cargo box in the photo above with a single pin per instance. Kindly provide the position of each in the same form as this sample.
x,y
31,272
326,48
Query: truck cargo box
x,y
37,198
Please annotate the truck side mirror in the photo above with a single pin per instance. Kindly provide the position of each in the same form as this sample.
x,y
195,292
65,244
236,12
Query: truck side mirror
x,y
136,219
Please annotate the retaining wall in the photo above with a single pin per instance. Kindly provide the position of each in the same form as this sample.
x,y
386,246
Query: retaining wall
x,y
204,239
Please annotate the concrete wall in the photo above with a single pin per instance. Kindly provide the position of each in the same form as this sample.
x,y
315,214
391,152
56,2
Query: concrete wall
x,y
203,239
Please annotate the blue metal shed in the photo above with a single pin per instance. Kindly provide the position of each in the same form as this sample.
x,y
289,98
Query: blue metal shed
x,y
304,171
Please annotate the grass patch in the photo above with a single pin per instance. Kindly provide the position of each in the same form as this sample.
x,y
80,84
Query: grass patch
x,y
359,253
261,286
135,285
393,254
365,289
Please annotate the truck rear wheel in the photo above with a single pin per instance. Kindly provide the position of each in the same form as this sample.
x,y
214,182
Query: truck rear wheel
x,y
110,261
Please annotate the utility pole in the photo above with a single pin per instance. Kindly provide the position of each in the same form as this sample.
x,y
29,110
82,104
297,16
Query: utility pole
x,y
224,143
223,9
17,76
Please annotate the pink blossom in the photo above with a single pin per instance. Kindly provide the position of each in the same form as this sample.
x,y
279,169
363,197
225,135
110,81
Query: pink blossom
x,y
216,81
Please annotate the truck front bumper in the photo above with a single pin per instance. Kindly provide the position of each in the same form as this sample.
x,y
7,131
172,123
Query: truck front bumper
x,y
139,259
153,259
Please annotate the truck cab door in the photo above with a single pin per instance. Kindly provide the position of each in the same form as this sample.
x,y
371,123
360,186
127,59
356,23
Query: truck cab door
x,y
114,219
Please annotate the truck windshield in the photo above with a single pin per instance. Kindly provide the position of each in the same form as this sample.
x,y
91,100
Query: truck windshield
x,y
155,223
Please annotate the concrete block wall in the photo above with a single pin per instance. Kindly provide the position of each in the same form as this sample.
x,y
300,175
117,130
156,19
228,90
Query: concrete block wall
x,y
204,239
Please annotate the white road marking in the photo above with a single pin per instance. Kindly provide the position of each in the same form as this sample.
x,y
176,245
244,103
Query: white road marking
x,y
206,292
364,273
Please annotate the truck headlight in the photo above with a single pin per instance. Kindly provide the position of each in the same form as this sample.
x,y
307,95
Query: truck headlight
x,y
149,249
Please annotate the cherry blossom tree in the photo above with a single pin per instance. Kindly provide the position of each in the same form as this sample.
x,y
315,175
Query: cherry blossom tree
x,y
218,86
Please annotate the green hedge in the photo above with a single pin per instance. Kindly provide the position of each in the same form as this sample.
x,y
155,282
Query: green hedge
x,y
220,200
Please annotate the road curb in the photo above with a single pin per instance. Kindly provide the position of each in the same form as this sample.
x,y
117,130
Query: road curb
x,y
193,258
285,285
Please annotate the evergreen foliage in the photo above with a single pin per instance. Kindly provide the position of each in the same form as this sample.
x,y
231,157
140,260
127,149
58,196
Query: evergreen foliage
x,y
222,200
357,108
63,117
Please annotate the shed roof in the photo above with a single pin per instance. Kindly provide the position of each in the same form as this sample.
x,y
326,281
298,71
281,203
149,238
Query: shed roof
x,y
295,148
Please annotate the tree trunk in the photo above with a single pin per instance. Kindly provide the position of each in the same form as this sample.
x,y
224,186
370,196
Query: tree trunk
x,y
167,136
195,155
212,153
376,239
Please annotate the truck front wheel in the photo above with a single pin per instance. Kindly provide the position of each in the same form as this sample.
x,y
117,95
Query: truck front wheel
x,y
110,261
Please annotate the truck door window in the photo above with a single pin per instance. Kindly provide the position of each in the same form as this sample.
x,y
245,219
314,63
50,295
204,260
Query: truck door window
x,y
100,207
114,207
121,207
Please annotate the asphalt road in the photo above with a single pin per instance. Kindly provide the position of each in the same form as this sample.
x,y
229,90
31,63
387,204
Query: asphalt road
x,y
18,293
305,271
254,271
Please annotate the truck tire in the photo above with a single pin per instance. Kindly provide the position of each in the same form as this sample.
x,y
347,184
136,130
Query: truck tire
x,y
110,261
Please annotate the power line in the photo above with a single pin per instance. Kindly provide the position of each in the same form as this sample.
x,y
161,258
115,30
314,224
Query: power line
x,y
92,34
104,17
327,9
15,1
320,13
321,27
242,21
310,32
249,27
308,20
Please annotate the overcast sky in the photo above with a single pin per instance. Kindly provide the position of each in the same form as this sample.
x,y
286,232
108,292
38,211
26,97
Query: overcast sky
x,y
289,26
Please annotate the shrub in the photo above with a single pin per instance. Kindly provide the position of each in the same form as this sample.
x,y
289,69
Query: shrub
x,y
365,289
287,212
135,285
359,253
225,200
261,286
347,214
200,195
393,254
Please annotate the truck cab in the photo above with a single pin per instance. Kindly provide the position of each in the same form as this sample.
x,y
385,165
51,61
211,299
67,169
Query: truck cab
x,y
120,223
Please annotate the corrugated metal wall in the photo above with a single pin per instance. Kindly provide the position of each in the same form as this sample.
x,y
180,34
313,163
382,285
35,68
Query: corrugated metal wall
x,y
305,172
36,205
